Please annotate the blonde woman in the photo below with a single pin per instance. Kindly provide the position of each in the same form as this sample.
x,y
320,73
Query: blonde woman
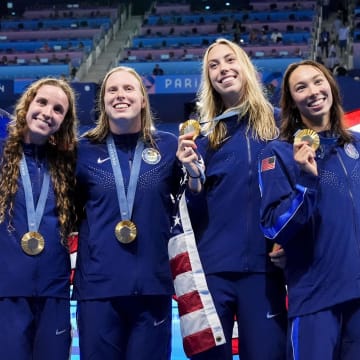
x,y
237,122
127,174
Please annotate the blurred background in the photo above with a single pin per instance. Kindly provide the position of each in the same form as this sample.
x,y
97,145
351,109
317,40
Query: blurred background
x,y
164,41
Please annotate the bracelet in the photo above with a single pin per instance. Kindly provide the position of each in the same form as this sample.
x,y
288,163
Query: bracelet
x,y
194,177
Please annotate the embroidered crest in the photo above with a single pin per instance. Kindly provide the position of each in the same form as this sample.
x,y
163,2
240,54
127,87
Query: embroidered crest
x,y
151,156
351,151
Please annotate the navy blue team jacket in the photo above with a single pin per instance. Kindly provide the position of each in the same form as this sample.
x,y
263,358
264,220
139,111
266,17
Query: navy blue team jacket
x,y
317,221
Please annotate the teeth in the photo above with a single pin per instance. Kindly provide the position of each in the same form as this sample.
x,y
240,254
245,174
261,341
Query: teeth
x,y
121,106
226,80
317,102
48,123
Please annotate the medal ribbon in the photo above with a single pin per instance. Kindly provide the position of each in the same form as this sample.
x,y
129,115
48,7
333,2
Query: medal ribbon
x,y
215,120
34,215
126,202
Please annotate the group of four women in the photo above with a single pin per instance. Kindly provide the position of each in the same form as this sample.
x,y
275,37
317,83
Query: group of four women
x,y
116,186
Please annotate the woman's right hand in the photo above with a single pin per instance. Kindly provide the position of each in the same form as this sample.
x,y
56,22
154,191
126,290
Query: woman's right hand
x,y
187,155
305,156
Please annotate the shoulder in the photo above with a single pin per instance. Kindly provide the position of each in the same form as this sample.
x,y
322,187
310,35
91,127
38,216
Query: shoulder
x,y
85,146
164,136
355,132
84,142
278,147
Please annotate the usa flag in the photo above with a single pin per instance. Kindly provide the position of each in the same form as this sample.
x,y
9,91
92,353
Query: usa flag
x,y
199,323
73,247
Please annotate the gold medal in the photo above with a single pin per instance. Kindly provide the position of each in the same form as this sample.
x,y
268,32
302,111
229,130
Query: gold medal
x,y
125,231
308,135
190,126
32,243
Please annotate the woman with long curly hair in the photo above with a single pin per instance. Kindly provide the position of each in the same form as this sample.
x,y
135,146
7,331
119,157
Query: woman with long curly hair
x,y
37,178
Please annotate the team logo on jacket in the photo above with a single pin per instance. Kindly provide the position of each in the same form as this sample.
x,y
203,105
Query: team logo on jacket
x,y
351,151
151,156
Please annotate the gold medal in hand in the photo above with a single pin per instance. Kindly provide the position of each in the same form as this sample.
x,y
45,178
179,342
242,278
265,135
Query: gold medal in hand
x,y
190,126
309,136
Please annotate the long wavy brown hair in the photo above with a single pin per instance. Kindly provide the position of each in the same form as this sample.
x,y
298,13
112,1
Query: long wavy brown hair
x,y
291,117
61,157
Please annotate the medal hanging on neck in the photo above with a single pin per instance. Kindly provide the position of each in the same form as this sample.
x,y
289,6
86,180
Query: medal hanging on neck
x,y
125,230
33,242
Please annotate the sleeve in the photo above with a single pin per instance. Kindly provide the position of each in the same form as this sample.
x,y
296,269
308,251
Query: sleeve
x,y
288,195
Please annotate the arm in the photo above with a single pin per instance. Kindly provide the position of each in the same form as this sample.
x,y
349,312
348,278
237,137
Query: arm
x,y
288,192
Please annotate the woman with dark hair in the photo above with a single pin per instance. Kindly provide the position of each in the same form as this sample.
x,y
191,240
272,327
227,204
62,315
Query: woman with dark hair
x,y
310,185
37,213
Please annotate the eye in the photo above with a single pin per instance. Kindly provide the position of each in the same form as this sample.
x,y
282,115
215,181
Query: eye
x,y
112,89
59,109
212,65
299,88
41,101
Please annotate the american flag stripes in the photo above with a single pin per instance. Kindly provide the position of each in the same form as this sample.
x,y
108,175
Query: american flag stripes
x,y
73,246
200,325
268,163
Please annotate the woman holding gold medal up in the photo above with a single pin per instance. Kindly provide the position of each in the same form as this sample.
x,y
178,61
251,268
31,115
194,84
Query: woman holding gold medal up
x,y
127,173
224,210
310,183
37,179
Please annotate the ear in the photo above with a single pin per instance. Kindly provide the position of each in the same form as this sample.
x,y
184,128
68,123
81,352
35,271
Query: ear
x,y
143,103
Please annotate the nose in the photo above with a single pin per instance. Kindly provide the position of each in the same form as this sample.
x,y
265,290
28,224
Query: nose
x,y
223,67
120,94
47,111
313,89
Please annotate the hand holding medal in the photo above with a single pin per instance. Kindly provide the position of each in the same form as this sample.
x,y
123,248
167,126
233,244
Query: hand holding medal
x,y
189,126
187,153
309,136
306,142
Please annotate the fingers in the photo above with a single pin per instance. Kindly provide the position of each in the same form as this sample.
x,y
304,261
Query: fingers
x,y
303,151
305,156
278,257
277,253
186,151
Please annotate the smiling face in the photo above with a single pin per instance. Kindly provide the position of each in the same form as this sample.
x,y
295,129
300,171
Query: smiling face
x,y
45,114
312,95
225,74
123,102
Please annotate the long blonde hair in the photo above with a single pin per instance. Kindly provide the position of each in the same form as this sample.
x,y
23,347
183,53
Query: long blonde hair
x,y
102,128
61,157
252,103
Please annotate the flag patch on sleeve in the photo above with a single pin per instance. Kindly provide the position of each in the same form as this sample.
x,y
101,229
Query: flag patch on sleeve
x,y
268,163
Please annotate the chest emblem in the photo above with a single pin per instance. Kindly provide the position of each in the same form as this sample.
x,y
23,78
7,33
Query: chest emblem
x,y
351,151
151,156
